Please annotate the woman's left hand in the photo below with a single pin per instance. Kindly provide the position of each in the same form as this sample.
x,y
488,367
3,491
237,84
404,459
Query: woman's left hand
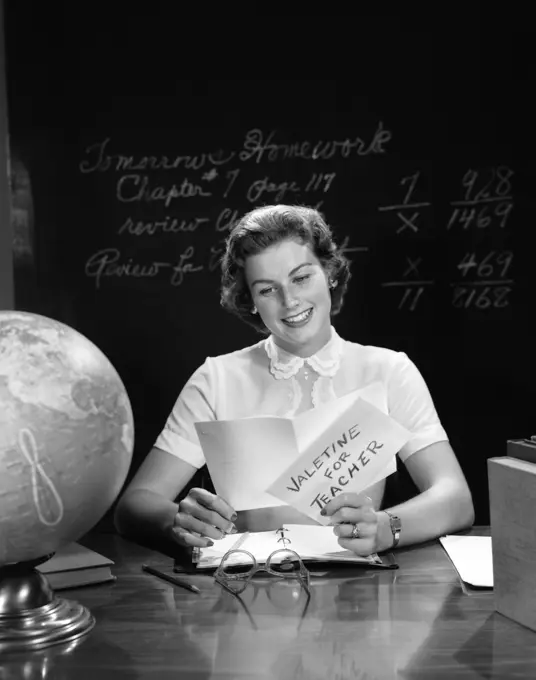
x,y
347,511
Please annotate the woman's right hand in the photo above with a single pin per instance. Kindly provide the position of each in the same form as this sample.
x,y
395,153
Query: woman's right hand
x,y
202,516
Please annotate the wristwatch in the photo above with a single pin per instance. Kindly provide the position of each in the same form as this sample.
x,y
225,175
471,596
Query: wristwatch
x,y
396,527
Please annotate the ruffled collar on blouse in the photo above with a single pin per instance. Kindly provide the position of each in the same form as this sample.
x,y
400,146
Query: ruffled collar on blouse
x,y
325,362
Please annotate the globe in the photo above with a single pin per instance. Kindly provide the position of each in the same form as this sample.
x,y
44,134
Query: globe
x,y
66,435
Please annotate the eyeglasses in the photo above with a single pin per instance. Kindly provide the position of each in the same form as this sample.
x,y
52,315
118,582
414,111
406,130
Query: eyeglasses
x,y
238,567
247,599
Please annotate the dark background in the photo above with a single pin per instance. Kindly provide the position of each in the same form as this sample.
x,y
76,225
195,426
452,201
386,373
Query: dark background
x,y
452,94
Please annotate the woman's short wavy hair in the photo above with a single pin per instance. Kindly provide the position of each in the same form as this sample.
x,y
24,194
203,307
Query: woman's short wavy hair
x,y
264,227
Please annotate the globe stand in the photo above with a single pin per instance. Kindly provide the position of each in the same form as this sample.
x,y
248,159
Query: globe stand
x,y
32,616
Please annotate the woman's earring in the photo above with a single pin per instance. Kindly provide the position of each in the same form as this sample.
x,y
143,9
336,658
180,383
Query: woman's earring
x,y
254,310
332,283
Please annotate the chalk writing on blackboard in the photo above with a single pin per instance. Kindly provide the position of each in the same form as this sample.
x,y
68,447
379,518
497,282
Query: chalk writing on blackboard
x,y
261,147
231,176
167,225
257,146
183,267
345,247
489,296
412,282
274,191
408,220
482,218
486,278
493,265
108,263
498,184
490,285
226,219
494,197
178,196
139,188
99,160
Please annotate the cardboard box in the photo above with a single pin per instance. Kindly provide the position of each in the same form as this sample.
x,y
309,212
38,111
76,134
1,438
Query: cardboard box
x,y
512,494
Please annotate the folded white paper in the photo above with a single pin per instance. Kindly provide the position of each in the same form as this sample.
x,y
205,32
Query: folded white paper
x,y
350,454
252,461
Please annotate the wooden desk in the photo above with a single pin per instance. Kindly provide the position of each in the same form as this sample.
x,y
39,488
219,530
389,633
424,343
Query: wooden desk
x,y
415,622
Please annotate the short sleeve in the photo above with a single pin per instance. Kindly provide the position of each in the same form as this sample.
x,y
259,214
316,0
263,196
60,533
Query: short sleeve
x,y
194,403
411,405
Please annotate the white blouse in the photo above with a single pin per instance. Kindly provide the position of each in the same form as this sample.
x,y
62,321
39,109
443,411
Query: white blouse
x,y
264,379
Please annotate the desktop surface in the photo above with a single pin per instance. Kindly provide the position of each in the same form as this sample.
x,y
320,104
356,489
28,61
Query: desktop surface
x,y
364,624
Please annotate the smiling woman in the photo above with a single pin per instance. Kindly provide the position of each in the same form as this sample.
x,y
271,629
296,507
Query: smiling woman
x,y
284,274
295,306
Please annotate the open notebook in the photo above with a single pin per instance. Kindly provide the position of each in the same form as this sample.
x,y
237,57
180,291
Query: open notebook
x,y
312,543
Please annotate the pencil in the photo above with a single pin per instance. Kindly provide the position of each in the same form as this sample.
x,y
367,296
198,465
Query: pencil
x,y
170,579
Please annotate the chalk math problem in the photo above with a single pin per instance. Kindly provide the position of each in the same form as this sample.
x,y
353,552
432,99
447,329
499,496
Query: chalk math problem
x,y
479,281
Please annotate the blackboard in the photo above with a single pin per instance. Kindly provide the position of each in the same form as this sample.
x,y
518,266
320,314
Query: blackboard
x,y
409,140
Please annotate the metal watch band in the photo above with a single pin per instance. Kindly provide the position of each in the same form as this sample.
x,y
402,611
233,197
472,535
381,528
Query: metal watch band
x,y
396,527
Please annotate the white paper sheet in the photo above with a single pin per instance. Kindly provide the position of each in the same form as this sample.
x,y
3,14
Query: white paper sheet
x,y
246,456
472,558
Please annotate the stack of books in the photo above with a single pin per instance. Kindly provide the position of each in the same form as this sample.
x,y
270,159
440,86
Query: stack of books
x,y
74,565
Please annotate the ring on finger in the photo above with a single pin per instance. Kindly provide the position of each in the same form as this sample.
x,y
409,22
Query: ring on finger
x,y
355,531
